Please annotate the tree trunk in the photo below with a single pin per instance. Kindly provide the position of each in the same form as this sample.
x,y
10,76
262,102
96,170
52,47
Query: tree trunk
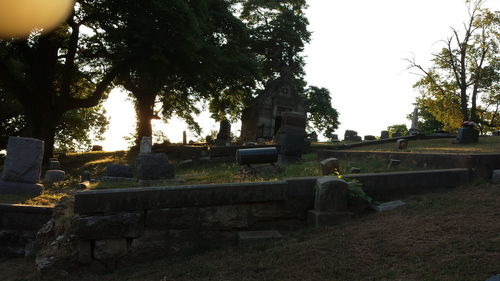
x,y
145,112
43,123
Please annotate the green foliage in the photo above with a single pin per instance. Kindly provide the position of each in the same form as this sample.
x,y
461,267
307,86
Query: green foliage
x,y
398,128
321,115
427,123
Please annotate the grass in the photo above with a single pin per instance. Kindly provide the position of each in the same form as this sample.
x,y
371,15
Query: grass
x,y
441,236
490,144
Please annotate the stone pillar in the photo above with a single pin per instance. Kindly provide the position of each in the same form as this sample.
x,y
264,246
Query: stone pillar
x,y
22,167
184,138
414,123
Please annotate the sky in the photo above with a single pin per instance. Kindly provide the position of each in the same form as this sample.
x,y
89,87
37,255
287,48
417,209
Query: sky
x,y
357,52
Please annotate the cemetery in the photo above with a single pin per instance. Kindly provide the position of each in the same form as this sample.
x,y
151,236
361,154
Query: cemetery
x,y
220,161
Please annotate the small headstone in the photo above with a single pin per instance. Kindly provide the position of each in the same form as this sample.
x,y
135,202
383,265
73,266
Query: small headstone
x,y
291,135
350,135
384,135
402,144
330,166
331,194
393,163
85,176
146,145
154,166
54,165
258,236
387,206
184,138
224,135
355,170
118,170
495,177
96,148
54,176
467,135
370,138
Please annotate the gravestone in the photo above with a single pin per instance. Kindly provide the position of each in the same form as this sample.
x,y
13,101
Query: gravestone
x,y
53,176
184,138
495,176
291,134
414,123
370,138
224,135
329,166
402,144
330,202
154,166
350,135
96,148
54,165
335,138
119,171
208,139
146,145
467,135
384,135
22,167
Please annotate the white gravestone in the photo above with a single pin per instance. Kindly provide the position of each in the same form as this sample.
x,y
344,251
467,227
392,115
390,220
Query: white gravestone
x,y
146,145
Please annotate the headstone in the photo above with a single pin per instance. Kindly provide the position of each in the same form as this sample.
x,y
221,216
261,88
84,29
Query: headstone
x,y
387,206
154,166
349,135
355,170
118,170
330,166
467,135
291,134
96,148
495,177
54,176
335,138
384,135
330,203
370,138
85,176
22,166
224,135
54,165
146,145
402,144
208,139
184,138
414,123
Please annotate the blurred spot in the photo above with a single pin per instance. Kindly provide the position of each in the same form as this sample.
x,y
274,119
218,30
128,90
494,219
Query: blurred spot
x,y
19,17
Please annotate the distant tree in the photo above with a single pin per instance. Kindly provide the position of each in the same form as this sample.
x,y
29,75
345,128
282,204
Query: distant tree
x,y
463,83
320,113
427,123
398,128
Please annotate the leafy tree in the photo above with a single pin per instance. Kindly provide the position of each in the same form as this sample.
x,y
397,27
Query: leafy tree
x,y
398,128
321,115
427,123
464,80
50,74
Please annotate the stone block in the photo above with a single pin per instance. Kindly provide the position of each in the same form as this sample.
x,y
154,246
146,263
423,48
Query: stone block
x,y
54,165
154,166
291,144
110,249
10,187
331,194
349,133
120,225
329,166
388,206
54,176
369,138
467,135
384,135
24,160
495,177
402,144
318,219
118,170
245,237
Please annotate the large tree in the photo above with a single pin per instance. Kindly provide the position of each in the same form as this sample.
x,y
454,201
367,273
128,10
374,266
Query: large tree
x,y
320,113
463,82
50,74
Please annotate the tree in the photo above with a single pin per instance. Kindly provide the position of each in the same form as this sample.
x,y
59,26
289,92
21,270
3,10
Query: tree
x,y
465,75
321,115
398,128
50,74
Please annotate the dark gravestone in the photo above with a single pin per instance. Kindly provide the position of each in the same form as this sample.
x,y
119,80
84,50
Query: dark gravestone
x,y
467,135
22,167
121,171
291,134
262,155
370,137
384,135
184,138
154,166
349,134
96,148
224,135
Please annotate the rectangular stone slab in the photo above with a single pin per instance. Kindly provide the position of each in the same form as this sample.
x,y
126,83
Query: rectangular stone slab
x,y
103,201
24,160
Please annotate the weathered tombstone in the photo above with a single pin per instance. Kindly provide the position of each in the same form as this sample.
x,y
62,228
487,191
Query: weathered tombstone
x,y
54,165
96,148
402,144
184,138
291,134
119,171
22,167
224,135
349,134
146,145
370,138
467,135
384,135
54,176
330,202
414,124
154,166
330,166
85,175
356,138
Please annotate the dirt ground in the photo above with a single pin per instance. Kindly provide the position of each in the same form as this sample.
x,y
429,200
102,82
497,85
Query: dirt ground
x,y
442,236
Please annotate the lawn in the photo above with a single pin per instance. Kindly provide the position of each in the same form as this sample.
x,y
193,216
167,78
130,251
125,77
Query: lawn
x,y
448,236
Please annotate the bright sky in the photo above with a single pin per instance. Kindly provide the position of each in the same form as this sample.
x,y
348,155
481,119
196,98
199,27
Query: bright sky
x,y
357,51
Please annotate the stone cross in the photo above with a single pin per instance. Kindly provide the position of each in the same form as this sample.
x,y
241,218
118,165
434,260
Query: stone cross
x,y
146,144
